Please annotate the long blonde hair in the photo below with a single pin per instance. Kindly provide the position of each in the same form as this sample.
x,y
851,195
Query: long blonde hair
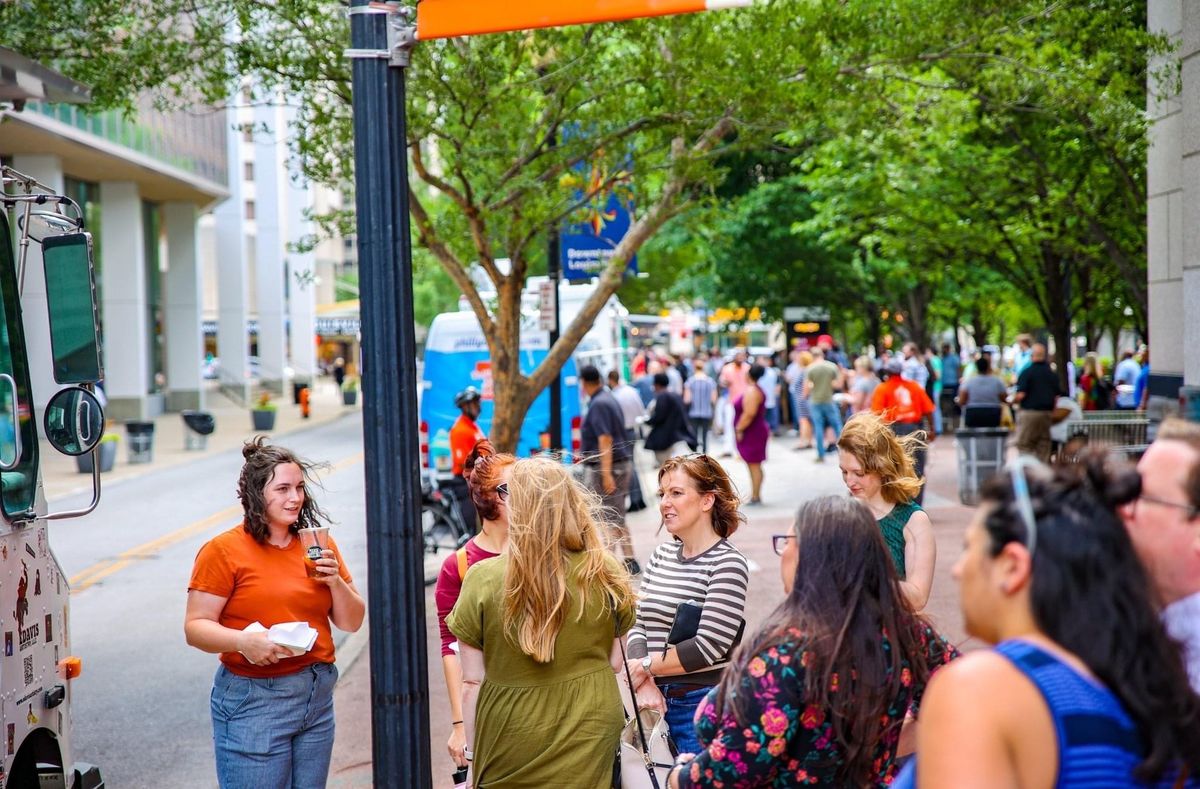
x,y
550,517
880,451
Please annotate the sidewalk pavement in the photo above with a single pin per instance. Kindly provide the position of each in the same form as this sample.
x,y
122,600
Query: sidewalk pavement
x,y
790,477
60,477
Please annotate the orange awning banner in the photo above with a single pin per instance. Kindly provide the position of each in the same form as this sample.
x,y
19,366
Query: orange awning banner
x,y
449,18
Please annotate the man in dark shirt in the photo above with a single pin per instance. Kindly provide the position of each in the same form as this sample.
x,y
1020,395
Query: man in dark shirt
x,y
606,455
670,432
1037,391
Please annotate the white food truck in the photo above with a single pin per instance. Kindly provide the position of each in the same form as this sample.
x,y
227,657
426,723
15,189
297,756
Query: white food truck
x,y
37,666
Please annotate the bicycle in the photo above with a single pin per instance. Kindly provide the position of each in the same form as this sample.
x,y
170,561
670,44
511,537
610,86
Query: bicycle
x,y
442,527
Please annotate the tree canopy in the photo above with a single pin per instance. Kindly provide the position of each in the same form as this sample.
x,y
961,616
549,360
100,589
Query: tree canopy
x,y
903,157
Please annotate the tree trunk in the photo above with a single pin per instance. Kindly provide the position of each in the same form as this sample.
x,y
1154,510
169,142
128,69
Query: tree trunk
x,y
918,306
979,327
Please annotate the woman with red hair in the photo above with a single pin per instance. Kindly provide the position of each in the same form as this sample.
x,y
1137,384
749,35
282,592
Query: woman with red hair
x,y
487,473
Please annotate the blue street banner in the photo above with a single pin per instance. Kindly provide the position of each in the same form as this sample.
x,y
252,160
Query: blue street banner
x,y
588,243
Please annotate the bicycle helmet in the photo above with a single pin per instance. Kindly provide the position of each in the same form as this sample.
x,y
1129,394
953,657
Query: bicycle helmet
x,y
468,395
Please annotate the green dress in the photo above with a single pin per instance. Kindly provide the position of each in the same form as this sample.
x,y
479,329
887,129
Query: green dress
x,y
550,724
892,525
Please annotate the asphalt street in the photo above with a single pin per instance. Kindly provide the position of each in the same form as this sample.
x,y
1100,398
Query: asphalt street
x,y
141,706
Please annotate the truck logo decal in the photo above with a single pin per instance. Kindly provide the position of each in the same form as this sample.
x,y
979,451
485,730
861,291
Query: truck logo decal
x,y
8,644
12,736
33,719
22,596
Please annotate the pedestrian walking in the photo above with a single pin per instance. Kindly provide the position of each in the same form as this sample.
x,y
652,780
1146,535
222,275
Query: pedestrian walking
x,y
863,386
670,432
877,467
633,410
339,372
537,629
820,380
905,406
488,473
465,433
769,383
734,379
983,396
751,431
1037,392
1125,379
607,459
272,707
691,604
795,377
818,696
1095,392
700,396
1083,687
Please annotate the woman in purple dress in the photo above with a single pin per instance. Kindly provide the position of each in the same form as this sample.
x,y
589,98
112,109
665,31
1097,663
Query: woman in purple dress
x,y
752,431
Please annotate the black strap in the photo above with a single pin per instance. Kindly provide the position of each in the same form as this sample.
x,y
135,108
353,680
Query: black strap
x,y
633,694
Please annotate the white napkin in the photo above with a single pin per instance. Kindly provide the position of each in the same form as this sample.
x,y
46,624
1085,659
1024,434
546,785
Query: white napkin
x,y
297,637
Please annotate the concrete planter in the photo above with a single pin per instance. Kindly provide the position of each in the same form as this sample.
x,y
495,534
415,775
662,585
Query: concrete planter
x,y
263,419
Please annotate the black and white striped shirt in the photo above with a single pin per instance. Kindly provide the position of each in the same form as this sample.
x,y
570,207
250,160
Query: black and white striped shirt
x,y
716,579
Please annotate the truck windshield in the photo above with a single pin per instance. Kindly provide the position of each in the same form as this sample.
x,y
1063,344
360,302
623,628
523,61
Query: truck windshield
x,y
18,488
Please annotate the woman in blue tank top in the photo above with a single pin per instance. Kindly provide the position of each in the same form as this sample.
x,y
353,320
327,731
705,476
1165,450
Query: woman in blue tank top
x,y
1083,688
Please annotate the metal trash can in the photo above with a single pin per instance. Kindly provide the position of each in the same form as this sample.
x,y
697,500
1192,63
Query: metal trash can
x,y
980,455
140,436
198,426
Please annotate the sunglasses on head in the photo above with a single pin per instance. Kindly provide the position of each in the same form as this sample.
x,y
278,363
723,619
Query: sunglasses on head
x,y
1016,470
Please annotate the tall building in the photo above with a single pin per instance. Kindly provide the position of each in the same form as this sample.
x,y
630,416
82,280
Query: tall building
x,y
143,183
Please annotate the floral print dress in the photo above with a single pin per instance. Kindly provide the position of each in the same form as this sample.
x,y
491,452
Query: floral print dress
x,y
788,741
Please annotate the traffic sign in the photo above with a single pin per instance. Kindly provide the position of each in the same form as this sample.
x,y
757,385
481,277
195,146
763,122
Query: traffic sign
x,y
447,18
547,317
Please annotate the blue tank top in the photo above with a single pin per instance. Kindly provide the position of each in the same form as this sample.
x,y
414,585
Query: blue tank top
x,y
1097,740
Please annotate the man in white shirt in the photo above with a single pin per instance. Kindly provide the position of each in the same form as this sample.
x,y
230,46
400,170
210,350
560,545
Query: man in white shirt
x,y
632,409
769,383
1164,524
1125,379
914,365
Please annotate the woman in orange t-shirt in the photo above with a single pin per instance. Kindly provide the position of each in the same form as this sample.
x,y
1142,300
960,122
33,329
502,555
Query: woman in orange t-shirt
x,y
272,711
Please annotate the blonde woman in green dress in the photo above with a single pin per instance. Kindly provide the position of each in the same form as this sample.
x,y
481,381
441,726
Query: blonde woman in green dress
x,y
537,630
877,467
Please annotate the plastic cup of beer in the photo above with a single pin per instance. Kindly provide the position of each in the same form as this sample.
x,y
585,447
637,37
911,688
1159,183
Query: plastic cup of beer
x,y
313,540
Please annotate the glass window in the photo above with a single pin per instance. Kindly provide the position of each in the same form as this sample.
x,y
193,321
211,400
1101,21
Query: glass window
x,y
248,169
249,209
20,484
155,319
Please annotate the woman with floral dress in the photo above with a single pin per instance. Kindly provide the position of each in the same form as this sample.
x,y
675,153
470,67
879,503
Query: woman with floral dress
x,y
818,696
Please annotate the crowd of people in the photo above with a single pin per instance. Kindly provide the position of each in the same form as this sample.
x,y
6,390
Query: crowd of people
x,y
1083,578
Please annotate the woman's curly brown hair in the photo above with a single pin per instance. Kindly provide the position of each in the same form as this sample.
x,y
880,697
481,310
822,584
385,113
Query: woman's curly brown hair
x,y
257,472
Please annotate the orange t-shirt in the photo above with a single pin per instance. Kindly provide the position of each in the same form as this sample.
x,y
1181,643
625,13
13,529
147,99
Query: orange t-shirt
x,y
268,585
464,435
899,400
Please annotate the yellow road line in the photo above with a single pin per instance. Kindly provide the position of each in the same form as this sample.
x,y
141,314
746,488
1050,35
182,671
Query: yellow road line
x,y
103,569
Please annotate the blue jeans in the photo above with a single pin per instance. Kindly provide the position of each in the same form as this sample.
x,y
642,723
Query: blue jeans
x,y
681,715
274,733
824,415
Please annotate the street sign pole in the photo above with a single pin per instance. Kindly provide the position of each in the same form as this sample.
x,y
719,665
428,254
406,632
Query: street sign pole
x,y
381,36
554,269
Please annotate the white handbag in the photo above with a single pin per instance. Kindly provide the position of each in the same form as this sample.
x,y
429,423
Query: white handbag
x,y
644,755
648,767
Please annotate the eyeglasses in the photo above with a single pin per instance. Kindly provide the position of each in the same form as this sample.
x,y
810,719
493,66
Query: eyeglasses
x,y
1024,503
779,542
1191,511
502,491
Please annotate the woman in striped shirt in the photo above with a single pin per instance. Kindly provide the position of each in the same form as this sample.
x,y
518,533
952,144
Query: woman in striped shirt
x,y
699,566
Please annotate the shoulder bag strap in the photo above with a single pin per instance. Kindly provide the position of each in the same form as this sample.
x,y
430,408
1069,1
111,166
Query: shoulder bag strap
x,y
633,693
